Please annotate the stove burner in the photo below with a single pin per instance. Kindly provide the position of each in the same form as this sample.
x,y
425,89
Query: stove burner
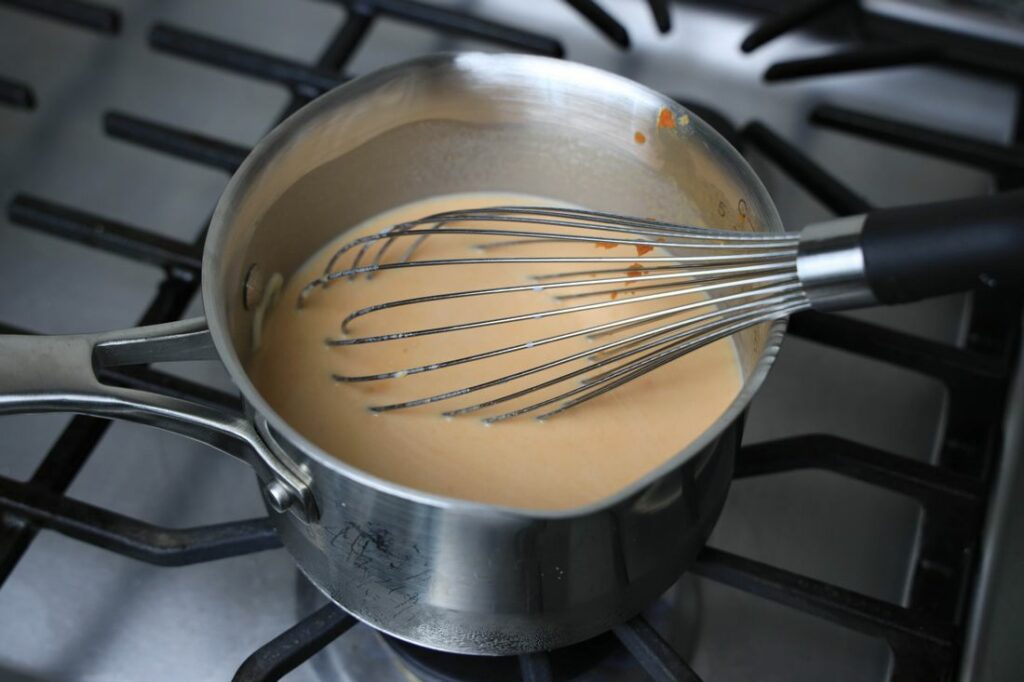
x,y
567,663
603,658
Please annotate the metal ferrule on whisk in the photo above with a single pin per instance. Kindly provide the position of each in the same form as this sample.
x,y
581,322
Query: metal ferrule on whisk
x,y
830,264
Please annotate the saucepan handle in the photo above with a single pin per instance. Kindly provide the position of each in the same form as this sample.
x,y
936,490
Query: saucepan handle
x,y
898,255
59,374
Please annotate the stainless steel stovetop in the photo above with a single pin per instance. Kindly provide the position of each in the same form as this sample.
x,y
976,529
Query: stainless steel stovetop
x,y
71,611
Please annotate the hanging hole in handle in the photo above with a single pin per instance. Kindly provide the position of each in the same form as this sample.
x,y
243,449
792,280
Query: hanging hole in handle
x,y
279,497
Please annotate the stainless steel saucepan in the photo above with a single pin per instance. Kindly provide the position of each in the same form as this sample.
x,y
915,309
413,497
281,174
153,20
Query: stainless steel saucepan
x,y
447,574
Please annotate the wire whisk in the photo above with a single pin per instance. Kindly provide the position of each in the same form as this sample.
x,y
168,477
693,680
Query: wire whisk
x,y
742,279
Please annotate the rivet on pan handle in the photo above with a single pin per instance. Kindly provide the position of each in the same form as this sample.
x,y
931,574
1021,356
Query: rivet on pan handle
x,y
288,485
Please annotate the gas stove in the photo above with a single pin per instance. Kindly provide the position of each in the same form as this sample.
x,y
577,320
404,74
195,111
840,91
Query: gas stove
x,y
875,518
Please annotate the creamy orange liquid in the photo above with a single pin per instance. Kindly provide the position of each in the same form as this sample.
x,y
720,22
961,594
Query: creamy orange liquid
x,y
578,457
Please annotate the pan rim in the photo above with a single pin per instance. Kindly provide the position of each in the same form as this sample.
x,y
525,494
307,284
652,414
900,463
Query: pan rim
x,y
279,138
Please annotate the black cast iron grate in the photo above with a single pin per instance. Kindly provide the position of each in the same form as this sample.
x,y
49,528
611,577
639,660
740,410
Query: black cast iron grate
x,y
885,41
925,636
17,93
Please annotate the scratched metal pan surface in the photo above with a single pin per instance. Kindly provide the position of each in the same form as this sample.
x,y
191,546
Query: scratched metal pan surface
x,y
443,573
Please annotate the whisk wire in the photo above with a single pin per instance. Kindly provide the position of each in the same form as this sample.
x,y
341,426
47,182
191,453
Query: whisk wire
x,y
742,279
552,312
669,341
694,276
684,342
672,353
